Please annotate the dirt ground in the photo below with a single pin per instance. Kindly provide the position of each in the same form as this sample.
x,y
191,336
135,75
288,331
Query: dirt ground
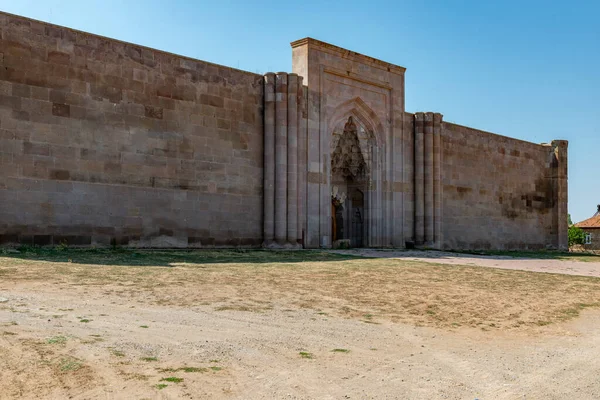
x,y
297,325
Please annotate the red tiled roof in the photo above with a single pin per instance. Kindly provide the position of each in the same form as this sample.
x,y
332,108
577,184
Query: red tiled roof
x,y
593,222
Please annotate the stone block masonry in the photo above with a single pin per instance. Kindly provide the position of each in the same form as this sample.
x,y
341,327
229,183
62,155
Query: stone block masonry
x,y
502,193
283,214
104,142
428,191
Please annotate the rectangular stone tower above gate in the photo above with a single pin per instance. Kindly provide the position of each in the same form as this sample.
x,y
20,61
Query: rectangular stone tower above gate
x,y
342,84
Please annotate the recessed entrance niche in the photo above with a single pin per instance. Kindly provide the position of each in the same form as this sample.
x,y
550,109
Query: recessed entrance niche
x,y
349,179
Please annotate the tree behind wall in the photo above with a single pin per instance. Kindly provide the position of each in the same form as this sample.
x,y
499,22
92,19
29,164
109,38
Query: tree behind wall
x,y
576,235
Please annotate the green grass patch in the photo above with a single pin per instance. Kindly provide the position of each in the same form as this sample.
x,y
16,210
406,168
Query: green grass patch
x,y
173,379
168,258
192,369
161,386
57,340
149,359
368,319
117,353
188,369
307,355
340,351
575,310
67,365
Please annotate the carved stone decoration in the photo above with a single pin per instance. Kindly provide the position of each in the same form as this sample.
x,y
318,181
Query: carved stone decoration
x,y
337,198
347,159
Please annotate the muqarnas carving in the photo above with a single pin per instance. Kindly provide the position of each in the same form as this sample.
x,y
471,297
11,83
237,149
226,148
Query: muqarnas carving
x,y
347,159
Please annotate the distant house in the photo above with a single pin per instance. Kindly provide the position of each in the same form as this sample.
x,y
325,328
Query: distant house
x,y
591,227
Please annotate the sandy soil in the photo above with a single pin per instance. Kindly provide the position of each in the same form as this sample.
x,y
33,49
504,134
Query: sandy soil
x,y
67,338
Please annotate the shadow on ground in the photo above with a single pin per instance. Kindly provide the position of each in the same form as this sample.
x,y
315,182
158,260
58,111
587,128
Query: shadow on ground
x,y
169,258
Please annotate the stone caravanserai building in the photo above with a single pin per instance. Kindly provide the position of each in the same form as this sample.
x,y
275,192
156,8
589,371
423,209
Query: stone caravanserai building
x,y
104,142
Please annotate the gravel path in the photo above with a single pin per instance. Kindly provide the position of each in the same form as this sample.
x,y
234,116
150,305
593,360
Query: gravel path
x,y
568,267
258,355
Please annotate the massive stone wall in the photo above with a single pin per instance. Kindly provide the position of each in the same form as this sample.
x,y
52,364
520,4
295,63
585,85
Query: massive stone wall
x,y
108,142
501,193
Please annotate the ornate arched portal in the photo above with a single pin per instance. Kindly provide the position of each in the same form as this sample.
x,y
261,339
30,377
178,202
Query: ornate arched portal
x,y
355,175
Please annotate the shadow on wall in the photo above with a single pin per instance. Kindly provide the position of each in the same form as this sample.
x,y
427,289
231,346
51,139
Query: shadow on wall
x,y
541,200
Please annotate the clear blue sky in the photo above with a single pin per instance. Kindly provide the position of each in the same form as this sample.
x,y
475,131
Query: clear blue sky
x,y
526,69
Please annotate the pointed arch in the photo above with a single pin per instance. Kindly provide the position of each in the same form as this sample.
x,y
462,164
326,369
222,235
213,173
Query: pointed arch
x,y
362,113
344,160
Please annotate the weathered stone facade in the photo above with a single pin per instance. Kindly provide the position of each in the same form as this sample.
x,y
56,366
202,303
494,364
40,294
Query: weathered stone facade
x,y
108,142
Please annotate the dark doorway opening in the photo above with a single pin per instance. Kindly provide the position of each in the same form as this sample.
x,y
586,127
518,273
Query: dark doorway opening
x,y
348,180
357,212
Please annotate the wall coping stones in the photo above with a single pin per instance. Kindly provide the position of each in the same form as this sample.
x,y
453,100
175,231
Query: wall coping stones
x,y
509,138
354,56
129,44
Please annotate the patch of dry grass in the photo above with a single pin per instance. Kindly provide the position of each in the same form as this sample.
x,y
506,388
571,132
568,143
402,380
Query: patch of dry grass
x,y
384,289
47,365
